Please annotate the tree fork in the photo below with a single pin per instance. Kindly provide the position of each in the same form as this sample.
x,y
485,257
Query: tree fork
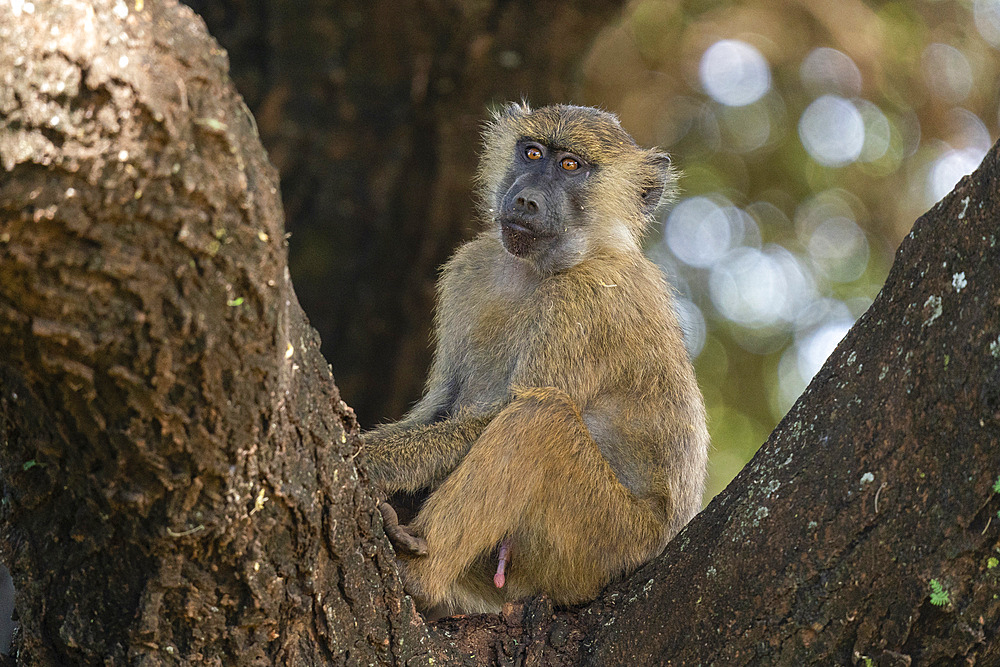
x,y
180,479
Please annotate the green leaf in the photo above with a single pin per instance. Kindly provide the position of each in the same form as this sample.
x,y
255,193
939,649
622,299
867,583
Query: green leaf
x,y
939,596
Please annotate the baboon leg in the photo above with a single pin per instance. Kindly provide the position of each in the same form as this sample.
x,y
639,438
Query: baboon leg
x,y
535,476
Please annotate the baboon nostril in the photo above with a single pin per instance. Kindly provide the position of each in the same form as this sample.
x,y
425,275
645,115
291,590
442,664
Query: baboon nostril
x,y
528,202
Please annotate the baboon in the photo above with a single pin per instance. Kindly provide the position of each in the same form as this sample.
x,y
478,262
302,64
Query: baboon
x,y
561,439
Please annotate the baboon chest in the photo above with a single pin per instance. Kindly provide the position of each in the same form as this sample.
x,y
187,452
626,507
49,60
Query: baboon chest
x,y
499,336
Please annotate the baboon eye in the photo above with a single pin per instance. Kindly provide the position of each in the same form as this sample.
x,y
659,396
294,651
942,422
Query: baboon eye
x,y
533,153
569,164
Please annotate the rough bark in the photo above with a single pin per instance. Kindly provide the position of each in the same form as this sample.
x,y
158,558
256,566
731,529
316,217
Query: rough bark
x,y
177,463
180,480
372,112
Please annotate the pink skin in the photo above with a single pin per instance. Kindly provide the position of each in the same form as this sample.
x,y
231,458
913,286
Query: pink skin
x,y
498,578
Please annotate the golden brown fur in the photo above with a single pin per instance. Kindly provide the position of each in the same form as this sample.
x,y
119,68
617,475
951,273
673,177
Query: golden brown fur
x,y
561,410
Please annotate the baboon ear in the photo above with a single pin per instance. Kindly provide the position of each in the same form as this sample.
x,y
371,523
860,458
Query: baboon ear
x,y
660,181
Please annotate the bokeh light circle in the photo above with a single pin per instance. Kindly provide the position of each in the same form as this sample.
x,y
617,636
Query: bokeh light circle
x,y
878,131
987,16
947,72
813,350
734,73
949,169
699,231
832,131
827,70
760,288
839,248
692,325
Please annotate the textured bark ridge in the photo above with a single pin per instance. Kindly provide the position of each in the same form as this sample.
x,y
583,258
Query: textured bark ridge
x,y
177,463
179,472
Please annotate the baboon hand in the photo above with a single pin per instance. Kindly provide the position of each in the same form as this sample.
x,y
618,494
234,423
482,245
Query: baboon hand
x,y
403,539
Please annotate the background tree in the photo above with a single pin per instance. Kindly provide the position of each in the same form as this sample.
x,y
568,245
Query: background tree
x,y
180,475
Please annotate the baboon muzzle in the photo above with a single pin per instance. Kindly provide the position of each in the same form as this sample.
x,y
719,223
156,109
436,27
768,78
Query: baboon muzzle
x,y
522,221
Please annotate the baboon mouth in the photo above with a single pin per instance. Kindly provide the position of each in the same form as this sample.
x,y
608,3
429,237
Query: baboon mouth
x,y
519,238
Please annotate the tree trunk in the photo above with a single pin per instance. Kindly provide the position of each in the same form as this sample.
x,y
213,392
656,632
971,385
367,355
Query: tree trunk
x,y
181,479
178,467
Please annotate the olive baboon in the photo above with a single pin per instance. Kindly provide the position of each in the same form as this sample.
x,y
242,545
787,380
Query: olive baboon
x,y
562,429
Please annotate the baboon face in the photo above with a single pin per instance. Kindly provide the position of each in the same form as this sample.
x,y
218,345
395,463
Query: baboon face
x,y
561,182
543,199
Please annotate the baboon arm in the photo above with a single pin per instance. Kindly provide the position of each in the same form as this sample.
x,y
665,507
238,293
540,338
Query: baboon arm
x,y
408,456
534,476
